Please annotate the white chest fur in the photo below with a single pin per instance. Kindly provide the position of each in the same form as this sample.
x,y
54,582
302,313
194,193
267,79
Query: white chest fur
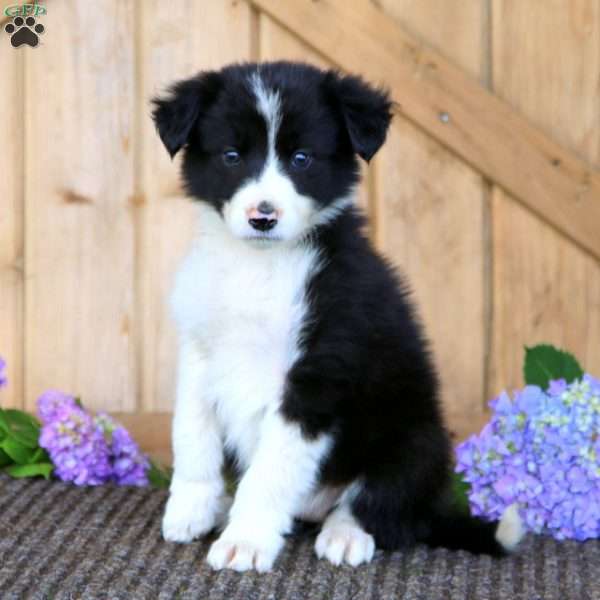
x,y
243,306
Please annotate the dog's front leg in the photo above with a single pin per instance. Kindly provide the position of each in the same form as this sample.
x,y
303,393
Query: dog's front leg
x,y
196,494
283,471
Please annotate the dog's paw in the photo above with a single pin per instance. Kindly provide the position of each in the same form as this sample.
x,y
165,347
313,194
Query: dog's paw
x,y
242,555
345,542
193,509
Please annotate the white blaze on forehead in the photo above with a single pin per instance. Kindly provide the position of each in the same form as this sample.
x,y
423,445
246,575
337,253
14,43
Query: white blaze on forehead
x,y
269,105
296,212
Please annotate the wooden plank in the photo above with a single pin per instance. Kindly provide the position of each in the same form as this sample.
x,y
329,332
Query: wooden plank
x,y
79,229
545,289
277,43
11,225
176,40
431,217
455,28
152,432
452,107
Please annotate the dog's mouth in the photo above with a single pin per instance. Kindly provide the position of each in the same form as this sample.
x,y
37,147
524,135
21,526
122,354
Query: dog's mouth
x,y
265,237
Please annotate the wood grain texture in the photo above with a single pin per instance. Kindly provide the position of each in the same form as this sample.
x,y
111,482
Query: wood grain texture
x,y
455,28
277,43
79,269
431,212
152,431
545,289
176,40
11,224
482,129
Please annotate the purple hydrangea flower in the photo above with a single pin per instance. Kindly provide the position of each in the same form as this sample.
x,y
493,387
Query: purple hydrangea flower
x,y
540,450
74,442
88,450
3,379
52,403
129,464
557,387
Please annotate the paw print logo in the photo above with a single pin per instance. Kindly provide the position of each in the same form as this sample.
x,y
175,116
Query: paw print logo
x,y
24,31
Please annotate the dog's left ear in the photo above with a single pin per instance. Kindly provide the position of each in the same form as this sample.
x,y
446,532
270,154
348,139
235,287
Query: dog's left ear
x,y
176,115
367,111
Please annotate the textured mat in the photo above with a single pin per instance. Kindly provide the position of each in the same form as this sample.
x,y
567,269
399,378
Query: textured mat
x,y
63,542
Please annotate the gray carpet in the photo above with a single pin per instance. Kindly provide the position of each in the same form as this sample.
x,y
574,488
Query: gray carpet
x,y
62,542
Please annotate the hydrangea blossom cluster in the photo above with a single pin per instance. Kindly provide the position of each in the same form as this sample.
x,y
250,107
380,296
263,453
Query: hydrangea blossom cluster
x,y
88,449
540,450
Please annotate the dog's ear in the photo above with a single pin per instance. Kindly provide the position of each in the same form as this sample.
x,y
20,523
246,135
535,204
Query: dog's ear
x,y
367,111
176,114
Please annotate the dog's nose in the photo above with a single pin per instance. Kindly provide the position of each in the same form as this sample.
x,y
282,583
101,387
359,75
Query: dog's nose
x,y
266,208
262,224
263,217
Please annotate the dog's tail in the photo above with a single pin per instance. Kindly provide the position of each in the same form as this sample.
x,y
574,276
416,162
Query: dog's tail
x,y
463,532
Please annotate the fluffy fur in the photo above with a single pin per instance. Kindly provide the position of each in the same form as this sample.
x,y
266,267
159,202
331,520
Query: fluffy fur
x,y
300,354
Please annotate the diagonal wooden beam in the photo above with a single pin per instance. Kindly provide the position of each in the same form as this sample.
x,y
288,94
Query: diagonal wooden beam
x,y
452,107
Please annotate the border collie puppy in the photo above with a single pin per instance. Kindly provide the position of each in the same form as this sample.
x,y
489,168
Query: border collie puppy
x,y
299,352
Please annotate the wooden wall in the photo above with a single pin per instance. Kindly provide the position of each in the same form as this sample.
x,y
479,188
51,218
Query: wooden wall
x,y
92,219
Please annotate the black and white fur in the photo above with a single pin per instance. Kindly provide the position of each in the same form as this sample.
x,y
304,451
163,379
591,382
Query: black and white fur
x,y
299,352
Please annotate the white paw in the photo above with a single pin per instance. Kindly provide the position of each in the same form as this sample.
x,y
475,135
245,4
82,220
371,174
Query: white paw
x,y
345,542
193,509
243,555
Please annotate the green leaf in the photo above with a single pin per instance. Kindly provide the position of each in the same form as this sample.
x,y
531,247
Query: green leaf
x,y
5,459
25,438
40,456
544,363
20,418
21,426
31,470
4,423
460,494
159,476
16,451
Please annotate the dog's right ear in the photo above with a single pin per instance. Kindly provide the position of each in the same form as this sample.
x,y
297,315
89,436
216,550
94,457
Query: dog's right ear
x,y
176,115
367,111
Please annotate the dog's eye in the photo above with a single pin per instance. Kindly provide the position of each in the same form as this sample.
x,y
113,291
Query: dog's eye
x,y
301,160
231,157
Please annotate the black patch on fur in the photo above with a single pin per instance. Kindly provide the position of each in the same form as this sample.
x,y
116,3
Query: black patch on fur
x,y
232,121
463,532
176,116
367,111
312,121
366,377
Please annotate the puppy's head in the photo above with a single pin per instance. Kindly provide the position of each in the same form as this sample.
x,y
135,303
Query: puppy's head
x,y
272,147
